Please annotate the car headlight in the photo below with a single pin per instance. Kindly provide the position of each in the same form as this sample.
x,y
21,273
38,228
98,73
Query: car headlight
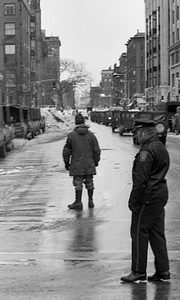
x,y
160,127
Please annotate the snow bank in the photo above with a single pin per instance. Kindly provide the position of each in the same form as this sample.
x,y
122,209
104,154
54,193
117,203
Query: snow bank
x,y
55,119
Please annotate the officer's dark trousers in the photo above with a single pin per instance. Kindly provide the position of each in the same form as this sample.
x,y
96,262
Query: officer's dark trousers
x,y
147,225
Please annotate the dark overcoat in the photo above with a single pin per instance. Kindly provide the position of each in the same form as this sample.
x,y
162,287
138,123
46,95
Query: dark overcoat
x,y
81,151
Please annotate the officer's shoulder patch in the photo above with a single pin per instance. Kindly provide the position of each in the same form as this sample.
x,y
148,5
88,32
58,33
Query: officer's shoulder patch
x,y
143,155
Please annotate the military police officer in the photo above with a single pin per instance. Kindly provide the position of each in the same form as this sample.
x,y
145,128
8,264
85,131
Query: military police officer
x,y
147,200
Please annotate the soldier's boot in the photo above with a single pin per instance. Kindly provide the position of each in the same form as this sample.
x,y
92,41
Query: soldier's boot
x,y
90,196
77,203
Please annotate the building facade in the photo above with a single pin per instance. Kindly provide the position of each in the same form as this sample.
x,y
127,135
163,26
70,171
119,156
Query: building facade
x,y
25,53
94,96
157,54
15,63
135,72
36,53
174,49
105,97
51,71
119,82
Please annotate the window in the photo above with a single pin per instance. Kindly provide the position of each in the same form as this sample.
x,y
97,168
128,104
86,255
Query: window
x,y
173,80
33,44
177,34
173,17
9,9
177,75
173,37
9,28
32,27
177,57
10,49
177,13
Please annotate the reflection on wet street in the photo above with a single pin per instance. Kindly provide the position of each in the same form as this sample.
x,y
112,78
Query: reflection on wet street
x,y
84,235
149,291
51,252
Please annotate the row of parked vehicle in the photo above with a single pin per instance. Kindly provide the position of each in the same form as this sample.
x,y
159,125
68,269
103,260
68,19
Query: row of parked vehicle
x,y
123,121
18,121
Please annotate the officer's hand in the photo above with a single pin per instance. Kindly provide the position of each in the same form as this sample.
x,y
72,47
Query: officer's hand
x,y
67,167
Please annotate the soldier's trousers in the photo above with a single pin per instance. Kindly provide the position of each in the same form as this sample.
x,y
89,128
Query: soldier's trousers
x,y
79,180
147,225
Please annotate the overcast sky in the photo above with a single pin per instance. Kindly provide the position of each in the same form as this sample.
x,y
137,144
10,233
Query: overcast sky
x,y
93,31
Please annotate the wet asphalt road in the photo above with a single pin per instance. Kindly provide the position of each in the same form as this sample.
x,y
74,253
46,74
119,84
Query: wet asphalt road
x,y
49,252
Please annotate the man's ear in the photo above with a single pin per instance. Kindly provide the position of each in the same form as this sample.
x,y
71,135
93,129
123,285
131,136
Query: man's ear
x,y
144,133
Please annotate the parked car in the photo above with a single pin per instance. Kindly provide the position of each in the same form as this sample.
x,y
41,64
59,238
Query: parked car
x,y
107,117
16,114
126,121
170,107
116,117
7,131
29,122
42,120
35,121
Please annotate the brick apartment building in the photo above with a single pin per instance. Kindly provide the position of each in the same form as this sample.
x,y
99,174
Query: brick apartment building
x,y
23,53
51,71
15,63
135,72
94,96
105,97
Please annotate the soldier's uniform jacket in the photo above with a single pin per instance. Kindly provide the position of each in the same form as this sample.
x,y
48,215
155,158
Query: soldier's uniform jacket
x,y
81,151
149,170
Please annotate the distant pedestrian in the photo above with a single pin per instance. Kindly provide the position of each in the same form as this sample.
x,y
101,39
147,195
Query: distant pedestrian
x,y
176,124
81,155
147,200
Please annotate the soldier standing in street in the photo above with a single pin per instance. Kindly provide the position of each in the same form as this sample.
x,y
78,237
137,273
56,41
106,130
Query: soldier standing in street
x,y
147,200
81,155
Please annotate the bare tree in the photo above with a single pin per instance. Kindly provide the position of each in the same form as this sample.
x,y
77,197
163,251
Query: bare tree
x,y
73,75
66,76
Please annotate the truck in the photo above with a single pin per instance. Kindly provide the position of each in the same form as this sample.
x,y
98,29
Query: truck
x,y
123,120
169,107
16,114
7,131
